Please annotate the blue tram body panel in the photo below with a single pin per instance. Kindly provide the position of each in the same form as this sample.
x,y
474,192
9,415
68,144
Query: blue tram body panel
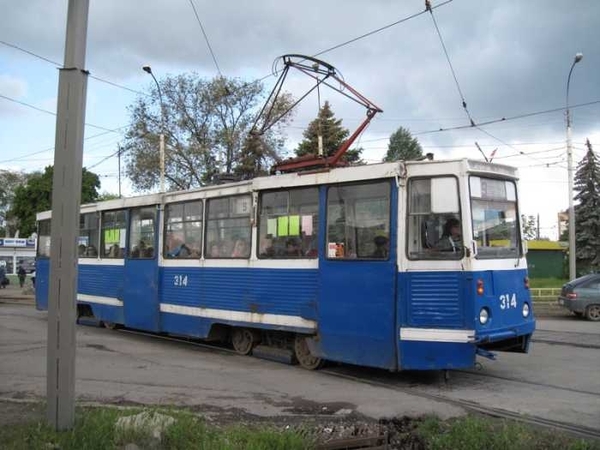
x,y
192,299
438,316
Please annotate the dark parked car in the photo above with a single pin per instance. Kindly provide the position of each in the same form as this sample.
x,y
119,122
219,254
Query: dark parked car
x,y
582,296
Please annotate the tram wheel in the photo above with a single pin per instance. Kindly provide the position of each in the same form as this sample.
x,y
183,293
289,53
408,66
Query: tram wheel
x,y
303,355
593,312
244,340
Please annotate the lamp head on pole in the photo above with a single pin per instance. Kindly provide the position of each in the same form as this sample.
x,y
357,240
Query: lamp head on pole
x,y
148,69
578,57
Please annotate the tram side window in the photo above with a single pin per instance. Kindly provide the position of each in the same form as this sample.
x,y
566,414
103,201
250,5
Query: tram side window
x,y
87,244
228,229
289,223
183,230
142,232
434,227
358,221
113,234
43,246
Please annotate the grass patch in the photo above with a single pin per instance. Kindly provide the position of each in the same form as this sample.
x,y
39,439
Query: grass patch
x,y
479,433
540,283
95,430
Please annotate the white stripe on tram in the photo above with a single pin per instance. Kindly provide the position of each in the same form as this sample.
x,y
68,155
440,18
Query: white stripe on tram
x,y
99,299
437,335
239,316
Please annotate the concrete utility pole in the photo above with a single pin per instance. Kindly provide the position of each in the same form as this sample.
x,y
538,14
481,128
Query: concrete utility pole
x,y
66,197
572,245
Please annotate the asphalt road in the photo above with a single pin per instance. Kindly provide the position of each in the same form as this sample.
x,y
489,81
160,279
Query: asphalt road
x,y
557,380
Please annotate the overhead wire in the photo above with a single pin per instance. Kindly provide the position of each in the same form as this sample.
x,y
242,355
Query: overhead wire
x,y
212,53
59,65
27,155
460,92
87,124
367,34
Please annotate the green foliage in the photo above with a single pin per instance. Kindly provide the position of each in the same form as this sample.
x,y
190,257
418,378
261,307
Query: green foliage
x,y
103,196
539,283
403,147
9,181
206,125
95,429
334,135
587,211
36,196
477,433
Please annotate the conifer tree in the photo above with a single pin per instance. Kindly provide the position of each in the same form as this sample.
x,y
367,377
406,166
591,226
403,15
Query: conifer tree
x,y
334,134
587,211
403,146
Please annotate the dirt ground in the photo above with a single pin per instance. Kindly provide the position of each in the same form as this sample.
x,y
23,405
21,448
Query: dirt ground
x,y
324,424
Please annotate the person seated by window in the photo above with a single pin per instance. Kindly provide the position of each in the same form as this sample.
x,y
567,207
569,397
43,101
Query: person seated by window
x,y
214,250
240,249
451,240
292,249
91,251
139,250
114,251
381,247
179,249
266,248
81,250
148,252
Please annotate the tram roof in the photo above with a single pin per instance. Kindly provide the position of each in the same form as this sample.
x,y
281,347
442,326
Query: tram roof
x,y
400,169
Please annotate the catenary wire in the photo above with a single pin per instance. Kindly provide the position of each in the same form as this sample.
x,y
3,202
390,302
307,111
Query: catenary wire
x,y
362,36
214,58
52,113
57,64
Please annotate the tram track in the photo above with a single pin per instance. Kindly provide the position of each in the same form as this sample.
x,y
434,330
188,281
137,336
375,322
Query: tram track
x,y
411,389
530,383
471,406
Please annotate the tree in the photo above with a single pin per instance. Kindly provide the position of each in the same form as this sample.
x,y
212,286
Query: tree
x,y
530,227
334,135
403,146
587,211
9,181
36,196
206,125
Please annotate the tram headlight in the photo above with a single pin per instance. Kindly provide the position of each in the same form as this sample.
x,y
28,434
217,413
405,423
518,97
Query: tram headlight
x,y
526,310
484,316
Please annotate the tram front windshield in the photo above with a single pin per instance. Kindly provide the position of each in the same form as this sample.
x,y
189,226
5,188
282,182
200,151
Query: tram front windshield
x,y
495,217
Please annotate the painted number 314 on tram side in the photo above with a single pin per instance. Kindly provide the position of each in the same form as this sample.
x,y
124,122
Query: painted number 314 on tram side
x,y
416,265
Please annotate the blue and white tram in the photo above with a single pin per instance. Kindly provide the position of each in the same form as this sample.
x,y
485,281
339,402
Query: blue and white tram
x,y
351,265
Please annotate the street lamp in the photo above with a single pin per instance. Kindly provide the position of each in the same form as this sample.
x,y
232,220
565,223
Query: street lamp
x,y
572,248
148,69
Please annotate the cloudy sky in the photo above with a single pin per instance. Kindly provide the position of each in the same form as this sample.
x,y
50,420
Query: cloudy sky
x,y
511,58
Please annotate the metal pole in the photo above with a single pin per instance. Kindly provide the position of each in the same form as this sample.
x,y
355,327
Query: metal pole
x,y
572,244
66,197
119,158
148,69
162,161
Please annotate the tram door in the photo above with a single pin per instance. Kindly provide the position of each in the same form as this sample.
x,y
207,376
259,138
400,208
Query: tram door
x,y
357,274
140,301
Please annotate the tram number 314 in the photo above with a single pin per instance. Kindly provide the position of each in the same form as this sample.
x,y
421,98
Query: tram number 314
x,y
180,280
508,301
